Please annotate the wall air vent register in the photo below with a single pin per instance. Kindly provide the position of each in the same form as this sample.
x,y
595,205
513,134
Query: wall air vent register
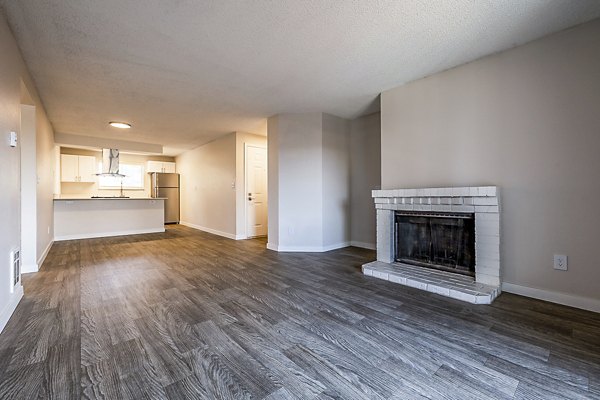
x,y
15,270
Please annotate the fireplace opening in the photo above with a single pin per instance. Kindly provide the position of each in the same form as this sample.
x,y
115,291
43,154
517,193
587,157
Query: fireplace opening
x,y
443,241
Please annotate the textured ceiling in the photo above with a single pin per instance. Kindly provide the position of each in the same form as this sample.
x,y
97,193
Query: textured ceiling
x,y
186,71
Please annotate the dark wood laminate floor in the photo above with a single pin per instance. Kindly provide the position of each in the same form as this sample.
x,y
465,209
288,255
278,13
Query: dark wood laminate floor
x,y
189,315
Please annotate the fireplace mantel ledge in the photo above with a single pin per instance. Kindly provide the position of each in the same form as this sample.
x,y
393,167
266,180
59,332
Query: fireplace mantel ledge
x,y
471,191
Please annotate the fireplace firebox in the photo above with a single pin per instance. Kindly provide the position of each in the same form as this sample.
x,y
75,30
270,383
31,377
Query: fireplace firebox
x,y
444,241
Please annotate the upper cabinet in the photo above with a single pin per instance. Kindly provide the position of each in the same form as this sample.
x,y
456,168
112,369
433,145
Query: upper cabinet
x,y
77,168
160,166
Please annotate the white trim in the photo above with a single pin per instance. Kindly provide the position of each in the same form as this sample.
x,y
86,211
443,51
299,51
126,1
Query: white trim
x,y
307,249
42,258
213,231
29,268
335,246
8,311
585,303
108,234
363,245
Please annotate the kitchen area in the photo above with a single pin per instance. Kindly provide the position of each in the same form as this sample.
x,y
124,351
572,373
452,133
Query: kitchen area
x,y
105,192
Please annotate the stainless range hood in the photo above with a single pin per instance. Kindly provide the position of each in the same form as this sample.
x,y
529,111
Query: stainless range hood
x,y
110,163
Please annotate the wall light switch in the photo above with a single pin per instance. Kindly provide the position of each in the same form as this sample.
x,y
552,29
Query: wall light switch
x,y
12,141
560,262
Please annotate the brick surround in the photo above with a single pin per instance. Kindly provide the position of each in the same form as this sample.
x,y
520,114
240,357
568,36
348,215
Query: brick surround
x,y
483,201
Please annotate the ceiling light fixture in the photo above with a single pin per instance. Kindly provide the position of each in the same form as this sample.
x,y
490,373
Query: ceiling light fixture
x,y
121,125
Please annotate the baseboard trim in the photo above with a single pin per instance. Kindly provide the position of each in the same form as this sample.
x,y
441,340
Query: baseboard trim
x,y
42,258
213,231
363,245
306,249
29,268
335,246
107,234
9,309
272,246
566,299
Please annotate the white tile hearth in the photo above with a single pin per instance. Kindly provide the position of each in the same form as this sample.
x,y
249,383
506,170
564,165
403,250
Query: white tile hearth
x,y
482,201
447,284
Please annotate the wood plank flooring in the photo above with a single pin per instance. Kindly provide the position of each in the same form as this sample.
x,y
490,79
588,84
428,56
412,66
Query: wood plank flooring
x,y
189,315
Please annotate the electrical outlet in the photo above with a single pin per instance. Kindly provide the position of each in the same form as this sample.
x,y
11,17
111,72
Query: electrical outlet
x,y
560,262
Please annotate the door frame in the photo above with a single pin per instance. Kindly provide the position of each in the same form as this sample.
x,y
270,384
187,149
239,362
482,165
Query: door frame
x,y
246,146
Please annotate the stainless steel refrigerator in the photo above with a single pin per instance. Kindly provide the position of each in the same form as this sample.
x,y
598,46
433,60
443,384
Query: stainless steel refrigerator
x,y
167,186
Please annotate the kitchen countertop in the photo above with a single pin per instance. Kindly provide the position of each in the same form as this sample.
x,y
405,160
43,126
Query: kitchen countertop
x,y
107,198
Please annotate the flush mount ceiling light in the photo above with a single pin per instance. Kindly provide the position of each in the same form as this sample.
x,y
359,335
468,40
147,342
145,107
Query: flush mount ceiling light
x,y
121,125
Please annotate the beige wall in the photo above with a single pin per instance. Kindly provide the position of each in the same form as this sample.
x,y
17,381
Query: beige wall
x,y
77,189
13,75
336,181
273,181
208,179
528,121
213,184
365,174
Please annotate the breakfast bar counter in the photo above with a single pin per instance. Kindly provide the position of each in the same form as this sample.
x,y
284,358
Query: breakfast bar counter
x,y
81,218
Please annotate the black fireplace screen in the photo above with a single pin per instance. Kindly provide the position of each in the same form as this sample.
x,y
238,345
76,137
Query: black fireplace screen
x,y
436,240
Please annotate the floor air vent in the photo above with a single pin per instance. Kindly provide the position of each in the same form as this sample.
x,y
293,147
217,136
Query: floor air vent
x,y
15,262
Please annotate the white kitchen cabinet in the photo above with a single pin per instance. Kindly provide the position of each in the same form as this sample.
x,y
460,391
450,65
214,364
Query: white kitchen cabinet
x,y
69,168
77,168
160,166
169,167
87,169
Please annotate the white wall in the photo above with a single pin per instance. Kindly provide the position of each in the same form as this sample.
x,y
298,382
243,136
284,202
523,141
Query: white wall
x,y
308,182
37,180
28,190
336,182
298,141
14,72
208,179
241,140
365,175
273,182
45,172
107,217
526,120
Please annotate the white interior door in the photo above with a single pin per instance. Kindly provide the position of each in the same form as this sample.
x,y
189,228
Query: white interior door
x,y
256,191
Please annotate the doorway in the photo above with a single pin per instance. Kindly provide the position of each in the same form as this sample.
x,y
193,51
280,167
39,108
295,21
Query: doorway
x,y
256,191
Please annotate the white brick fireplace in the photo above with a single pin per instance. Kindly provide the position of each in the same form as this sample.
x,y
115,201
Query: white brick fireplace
x,y
482,201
